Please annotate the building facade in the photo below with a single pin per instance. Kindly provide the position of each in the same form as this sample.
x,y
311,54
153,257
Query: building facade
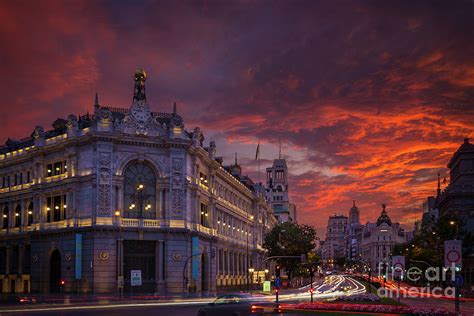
x,y
122,190
353,234
277,193
458,197
334,246
378,240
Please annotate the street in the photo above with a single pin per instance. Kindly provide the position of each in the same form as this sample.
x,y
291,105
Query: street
x,y
327,288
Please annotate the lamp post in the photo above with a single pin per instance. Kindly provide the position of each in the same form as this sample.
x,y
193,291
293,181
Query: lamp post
x,y
248,259
120,257
251,271
456,287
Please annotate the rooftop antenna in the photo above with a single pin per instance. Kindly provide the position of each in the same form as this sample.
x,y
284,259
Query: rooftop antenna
x,y
174,107
96,101
236,159
279,150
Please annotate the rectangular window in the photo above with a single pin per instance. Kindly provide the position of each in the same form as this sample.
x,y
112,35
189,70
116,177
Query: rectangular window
x,y
28,176
21,177
203,179
58,168
57,208
49,205
204,215
14,260
26,259
3,260
15,182
49,170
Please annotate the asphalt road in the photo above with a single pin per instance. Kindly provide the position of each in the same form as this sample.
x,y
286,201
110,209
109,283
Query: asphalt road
x,y
110,310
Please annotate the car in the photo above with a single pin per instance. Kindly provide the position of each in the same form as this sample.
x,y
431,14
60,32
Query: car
x,y
9,299
238,304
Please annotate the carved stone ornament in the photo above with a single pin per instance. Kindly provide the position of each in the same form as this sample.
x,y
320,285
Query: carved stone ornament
x,y
140,121
177,186
177,256
104,255
104,185
35,258
68,257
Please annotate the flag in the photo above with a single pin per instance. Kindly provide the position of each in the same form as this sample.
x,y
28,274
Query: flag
x,y
257,152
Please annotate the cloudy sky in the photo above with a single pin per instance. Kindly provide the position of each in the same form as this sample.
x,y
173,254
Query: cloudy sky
x,y
369,98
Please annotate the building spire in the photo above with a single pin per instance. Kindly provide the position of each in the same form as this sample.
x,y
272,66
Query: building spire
x,y
174,107
353,203
438,191
139,89
279,149
96,101
236,159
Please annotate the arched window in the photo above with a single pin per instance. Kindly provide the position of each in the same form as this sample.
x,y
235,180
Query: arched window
x,y
30,214
18,216
5,218
139,191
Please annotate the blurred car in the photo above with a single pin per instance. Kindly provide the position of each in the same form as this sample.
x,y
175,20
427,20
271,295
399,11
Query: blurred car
x,y
238,304
8,299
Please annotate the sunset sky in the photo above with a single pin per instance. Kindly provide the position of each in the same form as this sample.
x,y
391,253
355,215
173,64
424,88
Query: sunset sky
x,y
369,98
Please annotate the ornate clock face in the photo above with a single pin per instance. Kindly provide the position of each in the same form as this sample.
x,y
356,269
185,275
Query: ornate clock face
x,y
141,113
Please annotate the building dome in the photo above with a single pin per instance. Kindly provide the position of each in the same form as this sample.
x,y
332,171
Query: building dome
x,y
384,218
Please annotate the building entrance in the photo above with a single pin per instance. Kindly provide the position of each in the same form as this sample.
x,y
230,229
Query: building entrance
x,y
55,272
140,255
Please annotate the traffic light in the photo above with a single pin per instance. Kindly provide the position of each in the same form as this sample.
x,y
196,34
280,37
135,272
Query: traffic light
x,y
311,290
311,272
277,270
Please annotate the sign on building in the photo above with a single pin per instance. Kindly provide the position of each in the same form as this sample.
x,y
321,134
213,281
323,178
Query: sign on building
x,y
453,253
136,277
398,266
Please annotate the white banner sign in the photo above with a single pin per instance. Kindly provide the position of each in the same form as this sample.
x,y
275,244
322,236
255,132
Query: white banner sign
x,y
136,277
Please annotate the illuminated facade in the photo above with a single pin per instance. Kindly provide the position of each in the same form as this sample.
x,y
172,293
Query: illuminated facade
x,y
378,240
277,193
125,189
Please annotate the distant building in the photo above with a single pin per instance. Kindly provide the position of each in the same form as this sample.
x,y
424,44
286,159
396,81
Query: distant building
x,y
378,240
353,234
277,191
334,246
430,213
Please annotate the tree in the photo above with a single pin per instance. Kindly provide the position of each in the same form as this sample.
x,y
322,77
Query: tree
x,y
428,244
290,239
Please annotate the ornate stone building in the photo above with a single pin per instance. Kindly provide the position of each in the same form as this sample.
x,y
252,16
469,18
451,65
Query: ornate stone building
x,y
334,246
277,192
378,240
125,189
458,197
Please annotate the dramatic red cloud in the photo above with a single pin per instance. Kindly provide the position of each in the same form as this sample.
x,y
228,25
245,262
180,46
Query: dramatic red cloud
x,y
369,99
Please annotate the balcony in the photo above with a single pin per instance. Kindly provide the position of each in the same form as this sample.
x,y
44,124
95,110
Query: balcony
x,y
135,222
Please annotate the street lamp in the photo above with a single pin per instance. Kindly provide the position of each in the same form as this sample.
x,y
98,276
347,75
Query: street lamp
x,y
251,270
452,223
248,259
120,257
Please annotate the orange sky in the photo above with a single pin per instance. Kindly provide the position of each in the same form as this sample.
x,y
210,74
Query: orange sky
x,y
370,99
